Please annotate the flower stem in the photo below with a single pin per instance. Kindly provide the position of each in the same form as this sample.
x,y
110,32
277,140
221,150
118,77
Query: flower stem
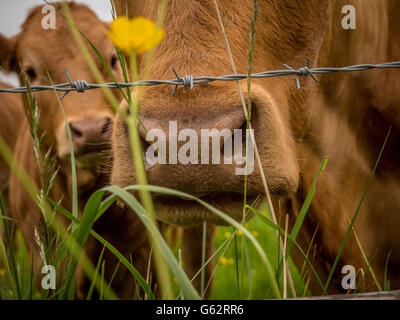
x,y
144,195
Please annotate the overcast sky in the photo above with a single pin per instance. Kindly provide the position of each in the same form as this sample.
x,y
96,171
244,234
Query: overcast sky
x,y
13,14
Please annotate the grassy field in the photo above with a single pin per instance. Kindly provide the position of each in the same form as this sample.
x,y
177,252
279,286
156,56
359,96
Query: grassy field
x,y
249,281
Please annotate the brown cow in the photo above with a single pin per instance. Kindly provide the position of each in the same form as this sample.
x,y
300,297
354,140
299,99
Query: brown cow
x,y
11,116
90,117
345,117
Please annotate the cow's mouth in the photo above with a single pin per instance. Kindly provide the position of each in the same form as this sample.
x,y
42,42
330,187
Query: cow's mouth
x,y
183,211
91,167
91,160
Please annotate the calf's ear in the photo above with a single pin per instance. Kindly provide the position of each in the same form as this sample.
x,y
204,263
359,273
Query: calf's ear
x,y
8,59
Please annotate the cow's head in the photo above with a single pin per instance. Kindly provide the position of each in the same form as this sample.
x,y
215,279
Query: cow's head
x,y
286,32
42,53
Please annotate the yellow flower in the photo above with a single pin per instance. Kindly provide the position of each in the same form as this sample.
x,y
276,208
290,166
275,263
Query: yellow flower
x,y
254,233
240,232
227,234
137,35
1,272
224,260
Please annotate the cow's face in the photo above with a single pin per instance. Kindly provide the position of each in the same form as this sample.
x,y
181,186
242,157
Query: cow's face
x,y
286,32
41,54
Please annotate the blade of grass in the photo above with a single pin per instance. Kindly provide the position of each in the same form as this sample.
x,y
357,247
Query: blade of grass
x,y
203,257
81,235
102,281
237,265
371,260
180,264
113,276
369,267
96,272
22,260
304,208
385,277
248,118
248,267
141,177
284,259
308,250
105,65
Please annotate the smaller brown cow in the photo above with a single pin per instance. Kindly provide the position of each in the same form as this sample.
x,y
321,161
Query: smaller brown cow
x,y
11,116
37,53
90,118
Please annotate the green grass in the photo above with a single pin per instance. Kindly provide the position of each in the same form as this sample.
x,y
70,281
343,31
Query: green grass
x,y
259,287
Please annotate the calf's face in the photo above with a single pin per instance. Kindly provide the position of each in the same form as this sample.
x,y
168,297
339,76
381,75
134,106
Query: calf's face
x,y
194,45
42,54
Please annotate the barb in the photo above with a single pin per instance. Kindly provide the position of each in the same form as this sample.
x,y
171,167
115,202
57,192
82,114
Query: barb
x,y
186,81
305,71
79,85
190,81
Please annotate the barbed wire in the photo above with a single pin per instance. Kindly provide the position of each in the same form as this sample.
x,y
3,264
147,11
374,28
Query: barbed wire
x,y
190,81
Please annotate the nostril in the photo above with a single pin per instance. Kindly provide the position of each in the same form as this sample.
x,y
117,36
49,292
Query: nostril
x,y
75,130
107,126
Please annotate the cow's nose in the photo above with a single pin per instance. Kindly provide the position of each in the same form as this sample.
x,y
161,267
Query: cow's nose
x,y
191,149
90,135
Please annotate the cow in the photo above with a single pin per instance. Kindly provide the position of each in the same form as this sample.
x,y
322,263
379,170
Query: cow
x,y
11,116
345,117
38,53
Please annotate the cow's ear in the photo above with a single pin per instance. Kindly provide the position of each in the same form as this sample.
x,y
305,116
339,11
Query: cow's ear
x,y
8,59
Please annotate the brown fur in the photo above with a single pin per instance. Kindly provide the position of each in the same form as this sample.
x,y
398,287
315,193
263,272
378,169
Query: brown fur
x,y
344,117
11,115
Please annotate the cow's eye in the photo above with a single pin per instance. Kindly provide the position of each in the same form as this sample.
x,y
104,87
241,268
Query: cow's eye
x,y
31,73
114,61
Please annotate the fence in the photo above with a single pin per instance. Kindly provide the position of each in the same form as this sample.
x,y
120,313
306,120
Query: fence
x,y
190,81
